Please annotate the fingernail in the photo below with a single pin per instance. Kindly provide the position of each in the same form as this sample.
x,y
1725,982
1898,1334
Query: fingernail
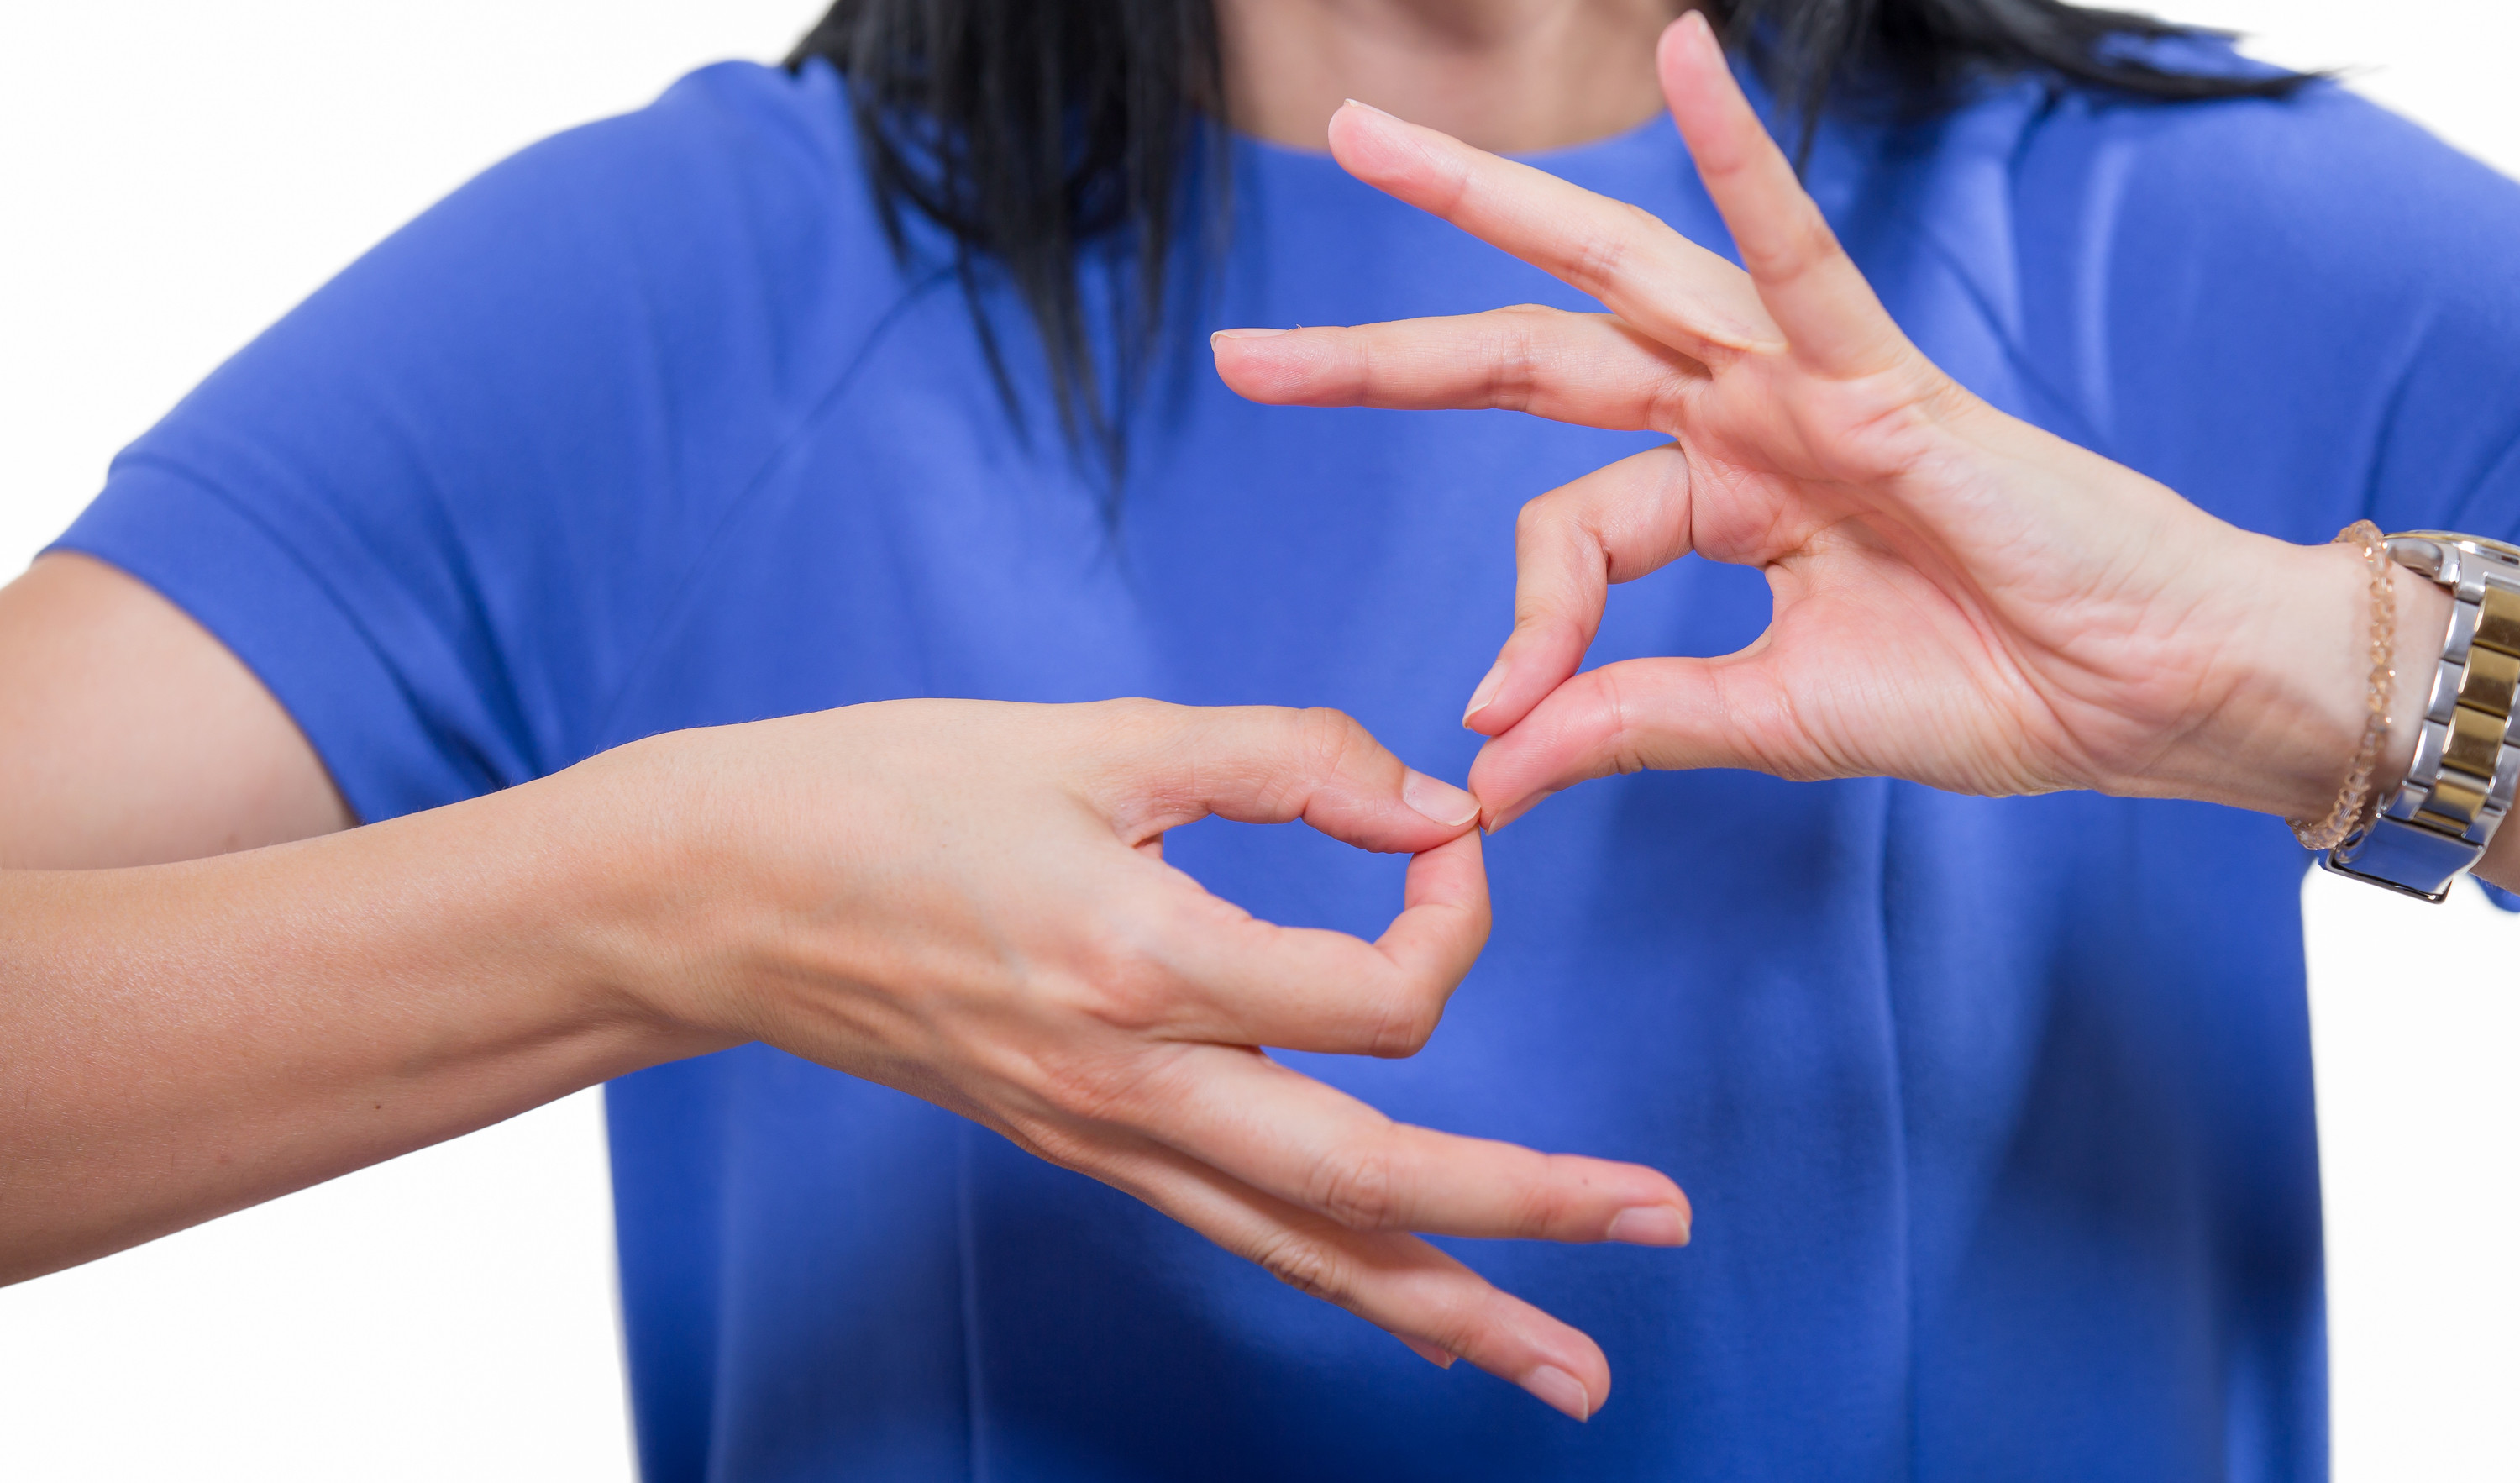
x,y
1649,1225
1368,106
1438,800
1243,335
1561,1390
1486,691
1438,1357
1507,816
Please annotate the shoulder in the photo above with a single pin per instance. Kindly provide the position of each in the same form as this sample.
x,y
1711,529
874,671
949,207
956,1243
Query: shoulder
x,y
739,191
697,272
2321,183
735,146
490,449
2296,310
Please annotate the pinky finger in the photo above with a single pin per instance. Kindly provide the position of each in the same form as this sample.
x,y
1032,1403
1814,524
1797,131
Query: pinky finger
x,y
1400,1284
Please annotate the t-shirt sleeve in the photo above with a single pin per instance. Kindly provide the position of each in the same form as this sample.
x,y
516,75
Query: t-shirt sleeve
x,y
2297,314
439,506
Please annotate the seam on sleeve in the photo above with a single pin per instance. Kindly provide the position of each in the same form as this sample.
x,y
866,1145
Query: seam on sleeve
x,y
669,613
370,796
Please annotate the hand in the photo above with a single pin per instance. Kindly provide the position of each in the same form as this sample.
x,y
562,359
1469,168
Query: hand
x,y
967,901
1961,598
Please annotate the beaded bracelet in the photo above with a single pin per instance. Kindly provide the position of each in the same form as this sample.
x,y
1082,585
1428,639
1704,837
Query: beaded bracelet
x,y
2358,796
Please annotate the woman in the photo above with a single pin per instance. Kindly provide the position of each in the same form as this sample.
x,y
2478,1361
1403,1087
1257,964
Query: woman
x,y
1999,1106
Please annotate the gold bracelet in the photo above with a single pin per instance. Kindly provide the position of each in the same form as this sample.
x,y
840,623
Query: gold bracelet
x,y
2356,799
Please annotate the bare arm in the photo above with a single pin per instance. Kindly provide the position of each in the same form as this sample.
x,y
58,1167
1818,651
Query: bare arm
x,y
129,735
184,1041
974,908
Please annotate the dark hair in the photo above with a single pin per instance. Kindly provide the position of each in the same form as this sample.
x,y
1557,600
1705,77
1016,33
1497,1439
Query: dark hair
x,y
1034,131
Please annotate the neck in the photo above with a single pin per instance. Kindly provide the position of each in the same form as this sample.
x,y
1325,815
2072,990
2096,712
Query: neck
x,y
1511,75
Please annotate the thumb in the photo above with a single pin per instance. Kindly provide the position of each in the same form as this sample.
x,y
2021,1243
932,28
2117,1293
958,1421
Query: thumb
x,y
1266,764
1631,716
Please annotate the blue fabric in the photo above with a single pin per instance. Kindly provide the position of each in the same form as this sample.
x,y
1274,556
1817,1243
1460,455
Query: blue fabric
x,y
1997,1113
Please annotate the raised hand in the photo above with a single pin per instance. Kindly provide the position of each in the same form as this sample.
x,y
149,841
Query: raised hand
x,y
1961,598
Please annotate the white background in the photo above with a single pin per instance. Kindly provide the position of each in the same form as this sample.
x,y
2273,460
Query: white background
x,y
173,176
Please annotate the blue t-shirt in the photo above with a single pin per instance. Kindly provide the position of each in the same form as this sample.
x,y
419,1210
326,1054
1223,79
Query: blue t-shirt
x,y
1997,1113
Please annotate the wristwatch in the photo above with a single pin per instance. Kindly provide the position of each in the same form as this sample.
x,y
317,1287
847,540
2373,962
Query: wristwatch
x,y
2438,821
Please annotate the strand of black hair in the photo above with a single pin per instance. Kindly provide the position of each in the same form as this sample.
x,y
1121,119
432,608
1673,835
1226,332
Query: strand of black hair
x,y
1037,132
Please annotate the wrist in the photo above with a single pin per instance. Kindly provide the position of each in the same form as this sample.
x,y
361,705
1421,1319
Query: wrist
x,y
619,899
2295,679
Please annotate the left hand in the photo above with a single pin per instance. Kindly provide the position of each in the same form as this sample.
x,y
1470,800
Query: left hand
x,y
1962,599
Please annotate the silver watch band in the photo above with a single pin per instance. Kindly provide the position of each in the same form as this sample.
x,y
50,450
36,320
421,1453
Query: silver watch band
x,y
2438,821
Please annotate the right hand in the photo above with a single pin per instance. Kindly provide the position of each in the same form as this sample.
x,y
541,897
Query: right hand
x,y
967,901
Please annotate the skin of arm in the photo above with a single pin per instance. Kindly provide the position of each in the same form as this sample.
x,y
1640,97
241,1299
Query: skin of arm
x,y
974,908
184,1040
181,1036
214,990
129,735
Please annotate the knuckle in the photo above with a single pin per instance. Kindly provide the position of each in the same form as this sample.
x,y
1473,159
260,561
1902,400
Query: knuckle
x,y
1353,1186
1122,990
1599,258
1513,358
1667,403
1542,1207
1127,1002
1803,245
1088,1086
1121,727
1046,1139
1623,743
1408,1022
1115,982
1305,1264
1312,750
1325,738
1325,731
1130,712
1467,1328
1645,224
1537,514
1561,528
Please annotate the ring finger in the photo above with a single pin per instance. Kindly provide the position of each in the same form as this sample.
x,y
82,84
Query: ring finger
x,y
1395,1282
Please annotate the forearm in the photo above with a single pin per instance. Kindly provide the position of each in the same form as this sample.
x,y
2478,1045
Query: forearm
x,y
2284,736
181,1041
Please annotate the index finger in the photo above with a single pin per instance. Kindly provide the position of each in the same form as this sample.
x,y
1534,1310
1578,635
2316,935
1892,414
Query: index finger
x,y
1649,275
1254,984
